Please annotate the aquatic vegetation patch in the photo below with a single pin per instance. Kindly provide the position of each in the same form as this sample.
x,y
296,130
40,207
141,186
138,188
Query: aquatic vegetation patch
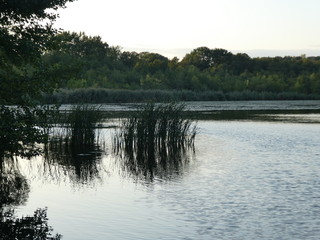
x,y
78,126
157,125
154,138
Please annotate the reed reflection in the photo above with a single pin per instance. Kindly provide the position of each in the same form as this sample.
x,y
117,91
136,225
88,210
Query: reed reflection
x,y
79,163
73,151
156,141
154,162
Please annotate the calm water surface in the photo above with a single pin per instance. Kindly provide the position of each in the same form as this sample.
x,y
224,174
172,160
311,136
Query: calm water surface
x,y
245,180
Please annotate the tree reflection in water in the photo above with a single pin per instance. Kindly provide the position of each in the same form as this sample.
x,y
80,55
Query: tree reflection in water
x,y
14,188
14,191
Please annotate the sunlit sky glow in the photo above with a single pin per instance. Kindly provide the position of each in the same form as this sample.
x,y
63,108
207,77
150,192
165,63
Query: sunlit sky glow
x,y
175,27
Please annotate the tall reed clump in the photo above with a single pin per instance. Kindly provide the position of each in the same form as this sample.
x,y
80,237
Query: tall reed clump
x,y
159,126
73,147
81,124
154,138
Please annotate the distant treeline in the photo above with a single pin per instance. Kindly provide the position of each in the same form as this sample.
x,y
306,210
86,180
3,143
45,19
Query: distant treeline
x,y
82,62
102,95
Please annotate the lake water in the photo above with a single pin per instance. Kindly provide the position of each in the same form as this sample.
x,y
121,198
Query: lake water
x,y
257,177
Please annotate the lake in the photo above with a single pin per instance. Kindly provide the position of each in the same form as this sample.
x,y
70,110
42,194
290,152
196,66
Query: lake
x,y
254,174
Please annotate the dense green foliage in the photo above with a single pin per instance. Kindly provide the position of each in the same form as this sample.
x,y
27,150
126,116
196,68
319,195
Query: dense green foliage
x,y
26,32
87,62
18,133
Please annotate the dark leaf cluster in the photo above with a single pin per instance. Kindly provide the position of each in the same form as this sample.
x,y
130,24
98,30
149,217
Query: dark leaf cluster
x,y
29,227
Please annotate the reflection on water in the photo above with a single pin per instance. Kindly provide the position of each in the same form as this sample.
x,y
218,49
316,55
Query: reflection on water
x,y
154,162
81,164
295,117
254,105
303,111
252,179
258,181
14,191
249,180
155,141
207,106
30,227
14,188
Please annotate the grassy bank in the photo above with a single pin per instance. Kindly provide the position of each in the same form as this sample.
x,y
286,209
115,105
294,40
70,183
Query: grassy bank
x,y
101,95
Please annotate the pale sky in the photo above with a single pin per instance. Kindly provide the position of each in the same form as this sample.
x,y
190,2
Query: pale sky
x,y
175,27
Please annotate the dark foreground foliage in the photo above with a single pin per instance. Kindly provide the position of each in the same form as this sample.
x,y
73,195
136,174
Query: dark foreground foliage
x,y
26,32
22,128
30,227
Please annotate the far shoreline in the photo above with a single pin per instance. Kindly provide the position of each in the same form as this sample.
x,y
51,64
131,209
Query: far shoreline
x,y
102,95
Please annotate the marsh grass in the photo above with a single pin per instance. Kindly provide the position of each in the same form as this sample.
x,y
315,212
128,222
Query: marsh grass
x,y
75,144
160,126
155,138
78,127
